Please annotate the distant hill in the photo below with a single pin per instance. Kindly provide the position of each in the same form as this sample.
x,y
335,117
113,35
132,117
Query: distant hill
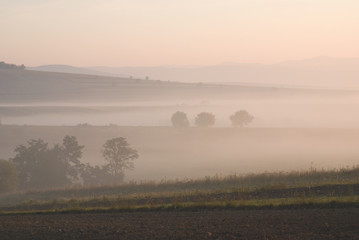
x,y
320,72
26,86
71,69
38,86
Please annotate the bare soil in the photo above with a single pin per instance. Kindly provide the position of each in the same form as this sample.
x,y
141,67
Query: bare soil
x,y
206,224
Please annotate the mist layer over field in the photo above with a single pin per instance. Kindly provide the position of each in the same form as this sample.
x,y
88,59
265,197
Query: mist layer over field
x,y
46,98
305,112
293,128
170,153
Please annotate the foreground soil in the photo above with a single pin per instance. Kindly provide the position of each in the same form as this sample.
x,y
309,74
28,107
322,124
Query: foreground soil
x,y
206,224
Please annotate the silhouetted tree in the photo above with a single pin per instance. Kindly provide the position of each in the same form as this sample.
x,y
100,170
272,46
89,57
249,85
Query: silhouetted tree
x,y
4,65
205,119
42,167
241,118
119,156
96,175
8,177
179,119
28,162
72,154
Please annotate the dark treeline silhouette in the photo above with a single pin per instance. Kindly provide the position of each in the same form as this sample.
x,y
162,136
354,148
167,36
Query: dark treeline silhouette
x,y
4,65
38,166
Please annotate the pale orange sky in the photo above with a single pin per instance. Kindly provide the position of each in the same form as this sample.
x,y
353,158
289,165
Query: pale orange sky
x,y
181,32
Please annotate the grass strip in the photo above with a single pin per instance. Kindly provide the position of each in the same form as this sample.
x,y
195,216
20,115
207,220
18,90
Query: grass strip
x,y
267,204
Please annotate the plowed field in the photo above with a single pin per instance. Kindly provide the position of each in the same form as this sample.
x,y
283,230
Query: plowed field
x,y
206,224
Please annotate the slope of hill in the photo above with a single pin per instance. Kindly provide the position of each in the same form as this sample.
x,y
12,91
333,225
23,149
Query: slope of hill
x,y
45,98
19,86
320,72
35,86
71,69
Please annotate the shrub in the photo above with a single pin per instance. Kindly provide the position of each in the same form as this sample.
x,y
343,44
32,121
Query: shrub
x,y
8,177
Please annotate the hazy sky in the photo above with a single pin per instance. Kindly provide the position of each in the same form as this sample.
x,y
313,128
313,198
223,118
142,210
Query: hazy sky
x,y
162,32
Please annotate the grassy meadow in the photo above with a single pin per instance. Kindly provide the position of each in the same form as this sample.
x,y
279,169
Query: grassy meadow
x,y
305,189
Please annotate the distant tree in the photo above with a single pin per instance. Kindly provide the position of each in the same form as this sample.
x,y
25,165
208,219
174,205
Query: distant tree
x,y
96,175
179,119
119,156
28,162
72,154
84,125
241,118
72,150
205,119
8,177
4,65
42,167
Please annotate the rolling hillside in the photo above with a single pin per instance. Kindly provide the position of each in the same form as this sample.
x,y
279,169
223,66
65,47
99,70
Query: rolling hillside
x,y
71,69
319,72
25,86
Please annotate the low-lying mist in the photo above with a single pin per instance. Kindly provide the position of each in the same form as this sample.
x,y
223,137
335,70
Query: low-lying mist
x,y
292,131
171,153
294,112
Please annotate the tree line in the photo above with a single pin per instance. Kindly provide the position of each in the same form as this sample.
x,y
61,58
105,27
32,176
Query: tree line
x,y
4,65
38,166
240,118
